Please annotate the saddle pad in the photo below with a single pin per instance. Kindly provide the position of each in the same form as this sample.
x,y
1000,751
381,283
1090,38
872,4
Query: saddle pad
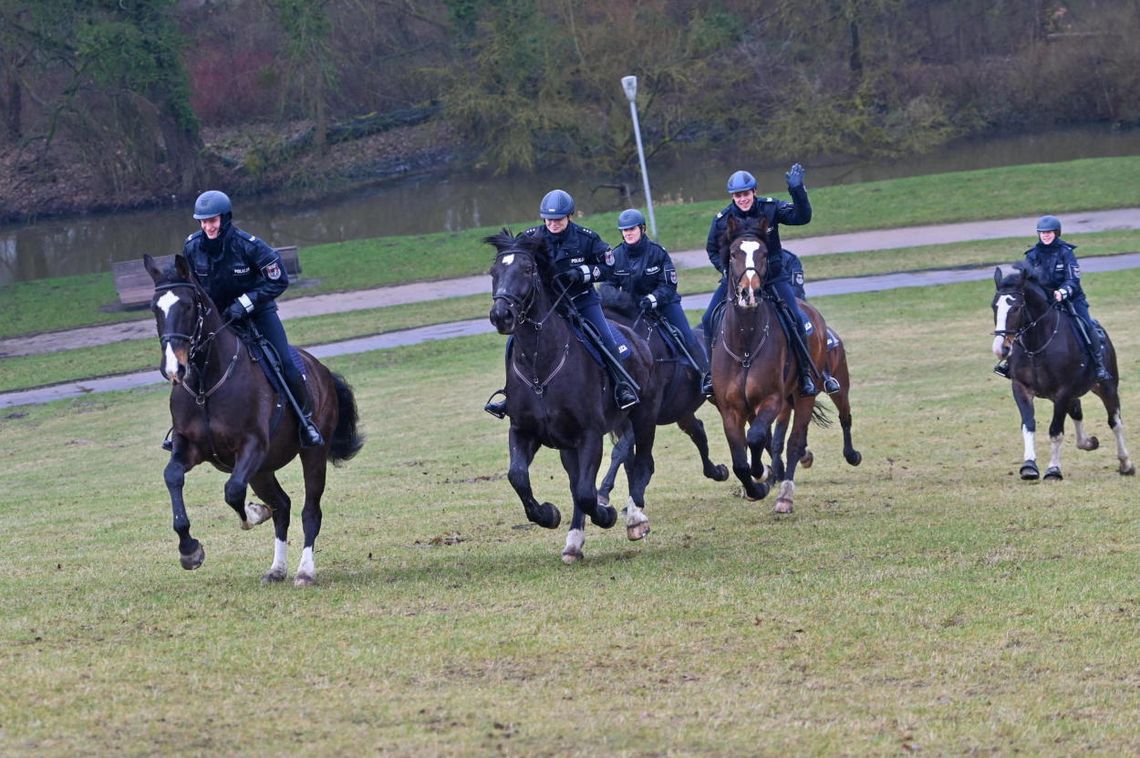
x,y
623,346
294,355
833,340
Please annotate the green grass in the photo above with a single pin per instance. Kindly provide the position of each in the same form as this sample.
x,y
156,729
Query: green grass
x,y
24,372
927,601
360,264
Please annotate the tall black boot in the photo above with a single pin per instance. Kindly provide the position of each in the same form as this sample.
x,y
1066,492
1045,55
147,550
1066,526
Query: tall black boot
x,y
310,435
497,408
1096,350
803,360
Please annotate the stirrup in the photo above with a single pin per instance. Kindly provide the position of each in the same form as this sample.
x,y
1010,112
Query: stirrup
x,y
707,384
310,434
497,408
168,445
830,384
1002,369
626,399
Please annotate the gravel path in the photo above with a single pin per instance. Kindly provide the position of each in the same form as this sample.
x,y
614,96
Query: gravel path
x,y
422,291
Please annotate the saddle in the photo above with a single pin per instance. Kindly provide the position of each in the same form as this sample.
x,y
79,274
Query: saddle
x,y
588,341
259,352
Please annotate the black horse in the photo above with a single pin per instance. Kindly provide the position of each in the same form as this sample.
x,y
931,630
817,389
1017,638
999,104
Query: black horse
x,y
681,387
559,397
226,412
1048,359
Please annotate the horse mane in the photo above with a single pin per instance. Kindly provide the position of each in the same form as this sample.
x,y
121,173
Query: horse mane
x,y
618,301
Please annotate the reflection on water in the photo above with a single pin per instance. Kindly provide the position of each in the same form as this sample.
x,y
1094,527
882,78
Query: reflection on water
x,y
87,244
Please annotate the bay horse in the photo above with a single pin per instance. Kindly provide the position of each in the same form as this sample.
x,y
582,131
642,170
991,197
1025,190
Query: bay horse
x,y
753,367
559,397
835,365
225,412
1049,360
681,395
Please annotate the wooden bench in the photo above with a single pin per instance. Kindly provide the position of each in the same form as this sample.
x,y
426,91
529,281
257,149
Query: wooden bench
x,y
135,287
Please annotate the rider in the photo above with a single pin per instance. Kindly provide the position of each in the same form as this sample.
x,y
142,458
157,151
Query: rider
x,y
578,257
745,204
644,269
243,275
1057,267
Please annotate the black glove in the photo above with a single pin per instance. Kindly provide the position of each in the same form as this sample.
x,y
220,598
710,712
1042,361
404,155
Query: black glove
x,y
236,311
647,303
571,276
795,176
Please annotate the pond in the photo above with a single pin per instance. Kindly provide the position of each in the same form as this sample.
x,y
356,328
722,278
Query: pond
x,y
87,244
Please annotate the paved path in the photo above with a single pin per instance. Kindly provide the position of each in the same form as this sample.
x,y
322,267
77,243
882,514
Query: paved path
x,y
477,285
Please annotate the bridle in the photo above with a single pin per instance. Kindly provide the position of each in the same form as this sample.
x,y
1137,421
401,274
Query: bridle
x,y
198,341
520,307
1016,302
748,271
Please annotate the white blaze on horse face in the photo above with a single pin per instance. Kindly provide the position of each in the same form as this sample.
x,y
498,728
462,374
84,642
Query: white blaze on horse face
x,y
171,361
166,302
508,259
1003,304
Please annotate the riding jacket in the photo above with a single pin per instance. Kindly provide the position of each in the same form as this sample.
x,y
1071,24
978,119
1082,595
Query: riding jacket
x,y
1057,267
795,213
794,268
645,268
237,266
582,248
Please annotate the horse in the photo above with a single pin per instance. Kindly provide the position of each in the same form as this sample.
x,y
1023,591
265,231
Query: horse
x,y
753,367
1049,360
835,365
681,387
225,412
559,397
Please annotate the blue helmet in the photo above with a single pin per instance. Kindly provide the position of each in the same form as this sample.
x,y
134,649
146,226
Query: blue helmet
x,y
741,181
212,203
556,204
630,218
1049,224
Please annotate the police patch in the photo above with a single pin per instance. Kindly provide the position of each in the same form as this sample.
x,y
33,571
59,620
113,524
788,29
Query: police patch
x,y
672,276
273,271
609,257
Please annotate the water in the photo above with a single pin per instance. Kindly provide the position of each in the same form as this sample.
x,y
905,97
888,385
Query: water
x,y
89,244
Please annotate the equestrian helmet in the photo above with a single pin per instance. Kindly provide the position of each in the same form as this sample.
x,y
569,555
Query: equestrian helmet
x,y
556,204
741,181
212,203
1049,224
630,218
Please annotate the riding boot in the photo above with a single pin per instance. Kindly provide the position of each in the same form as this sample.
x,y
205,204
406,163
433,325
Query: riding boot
x,y
310,435
830,383
497,408
707,384
624,393
168,441
1002,368
1096,350
804,362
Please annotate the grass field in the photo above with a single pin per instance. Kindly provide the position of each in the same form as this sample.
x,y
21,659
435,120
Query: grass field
x,y
927,601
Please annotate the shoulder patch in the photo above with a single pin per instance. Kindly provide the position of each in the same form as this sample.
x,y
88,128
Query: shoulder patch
x,y
590,232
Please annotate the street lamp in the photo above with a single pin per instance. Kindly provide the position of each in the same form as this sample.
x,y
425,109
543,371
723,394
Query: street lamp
x,y
629,84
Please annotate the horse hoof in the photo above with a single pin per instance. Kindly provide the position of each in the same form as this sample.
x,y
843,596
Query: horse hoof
x,y
783,506
1092,443
1029,471
719,473
1129,470
194,559
570,557
273,576
304,580
1053,474
637,531
548,516
758,491
807,459
605,517
255,513
854,457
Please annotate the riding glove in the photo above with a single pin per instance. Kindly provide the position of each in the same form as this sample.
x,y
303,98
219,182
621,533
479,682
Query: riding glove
x,y
235,312
647,303
795,176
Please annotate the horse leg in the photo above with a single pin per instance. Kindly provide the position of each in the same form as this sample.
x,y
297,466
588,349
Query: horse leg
x,y
522,448
1107,392
269,489
314,460
1024,400
776,446
248,461
636,522
190,552
842,402
1061,407
733,422
695,429
618,456
581,466
1084,441
797,444
759,438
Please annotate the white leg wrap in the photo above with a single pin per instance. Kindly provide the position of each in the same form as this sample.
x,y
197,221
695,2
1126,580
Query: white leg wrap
x,y
633,514
1055,450
306,567
280,551
1029,437
1121,450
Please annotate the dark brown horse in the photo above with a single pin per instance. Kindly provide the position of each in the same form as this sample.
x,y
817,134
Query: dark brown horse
x,y
1047,359
753,368
226,413
559,397
681,394
836,366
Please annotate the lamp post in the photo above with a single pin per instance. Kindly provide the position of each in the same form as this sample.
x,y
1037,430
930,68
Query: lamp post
x,y
629,84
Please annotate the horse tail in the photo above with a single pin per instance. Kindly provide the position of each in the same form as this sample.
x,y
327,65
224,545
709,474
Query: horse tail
x,y
820,417
347,439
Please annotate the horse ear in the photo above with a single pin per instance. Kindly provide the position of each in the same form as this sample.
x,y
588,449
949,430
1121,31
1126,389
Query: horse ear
x,y
997,276
151,268
182,266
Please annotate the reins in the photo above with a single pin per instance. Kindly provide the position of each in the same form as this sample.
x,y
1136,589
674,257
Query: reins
x,y
521,310
199,344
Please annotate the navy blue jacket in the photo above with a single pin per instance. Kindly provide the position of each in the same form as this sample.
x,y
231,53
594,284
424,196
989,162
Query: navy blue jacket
x,y
240,265
575,247
645,269
795,213
1057,266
